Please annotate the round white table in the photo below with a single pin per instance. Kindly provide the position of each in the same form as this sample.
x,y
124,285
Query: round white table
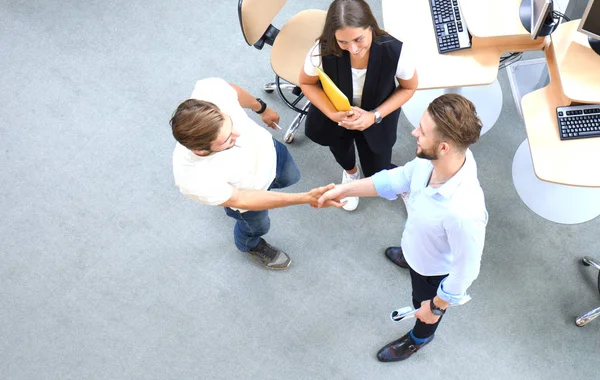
x,y
487,100
555,202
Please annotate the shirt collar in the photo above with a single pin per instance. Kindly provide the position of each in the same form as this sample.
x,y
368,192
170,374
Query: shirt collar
x,y
448,188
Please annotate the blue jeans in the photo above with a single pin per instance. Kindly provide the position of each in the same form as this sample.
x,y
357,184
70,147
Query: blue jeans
x,y
251,225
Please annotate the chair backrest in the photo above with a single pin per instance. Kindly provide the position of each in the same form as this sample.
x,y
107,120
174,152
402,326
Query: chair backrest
x,y
256,16
294,41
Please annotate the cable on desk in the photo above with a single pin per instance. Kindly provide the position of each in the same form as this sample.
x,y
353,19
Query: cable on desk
x,y
557,14
509,59
516,56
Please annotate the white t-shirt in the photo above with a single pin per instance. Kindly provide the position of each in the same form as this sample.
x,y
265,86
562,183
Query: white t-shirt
x,y
250,164
404,70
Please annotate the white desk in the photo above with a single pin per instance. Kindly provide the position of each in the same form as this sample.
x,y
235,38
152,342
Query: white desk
x,y
495,27
557,179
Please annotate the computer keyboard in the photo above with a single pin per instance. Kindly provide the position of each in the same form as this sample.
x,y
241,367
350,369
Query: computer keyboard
x,y
450,29
578,122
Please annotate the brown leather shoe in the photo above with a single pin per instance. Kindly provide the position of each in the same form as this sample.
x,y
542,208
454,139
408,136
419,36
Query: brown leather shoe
x,y
396,256
400,349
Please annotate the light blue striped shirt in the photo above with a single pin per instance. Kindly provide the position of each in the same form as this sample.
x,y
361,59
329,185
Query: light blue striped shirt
x,y
445,229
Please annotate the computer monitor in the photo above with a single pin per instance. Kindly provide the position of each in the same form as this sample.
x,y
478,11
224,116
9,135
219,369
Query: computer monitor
x,y
590,24
536,17
540,10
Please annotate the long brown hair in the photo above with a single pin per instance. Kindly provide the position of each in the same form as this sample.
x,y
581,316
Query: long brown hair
x,y
343,14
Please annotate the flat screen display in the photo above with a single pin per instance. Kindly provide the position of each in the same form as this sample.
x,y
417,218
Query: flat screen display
x,y
590,23
539,12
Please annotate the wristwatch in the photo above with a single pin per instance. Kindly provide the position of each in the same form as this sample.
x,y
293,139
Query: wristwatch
x,y
378,117
263,106
436,310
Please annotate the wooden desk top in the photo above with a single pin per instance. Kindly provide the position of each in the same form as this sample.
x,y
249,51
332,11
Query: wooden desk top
x,y
410,22
493,18
568,162
578,64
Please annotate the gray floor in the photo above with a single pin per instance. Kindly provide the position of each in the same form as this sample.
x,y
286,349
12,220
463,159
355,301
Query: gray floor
x,y
107,272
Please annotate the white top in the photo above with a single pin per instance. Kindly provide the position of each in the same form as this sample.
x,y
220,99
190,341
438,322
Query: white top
x,y
405,70
445,229
250,164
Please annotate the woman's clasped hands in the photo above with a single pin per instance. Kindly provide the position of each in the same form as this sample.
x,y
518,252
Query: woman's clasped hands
x,y
357,119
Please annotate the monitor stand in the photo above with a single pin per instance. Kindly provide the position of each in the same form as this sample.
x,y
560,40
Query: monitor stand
x,y
525,15
594,44
547,199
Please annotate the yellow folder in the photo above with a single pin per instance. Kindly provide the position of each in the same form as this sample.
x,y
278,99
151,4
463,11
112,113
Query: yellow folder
x,y
337,97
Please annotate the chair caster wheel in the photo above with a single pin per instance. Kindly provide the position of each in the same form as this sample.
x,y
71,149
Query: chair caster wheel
x,y
288,138
269,91
584,262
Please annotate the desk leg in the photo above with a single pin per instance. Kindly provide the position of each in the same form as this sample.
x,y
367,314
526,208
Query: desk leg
x,y
557,203
487,100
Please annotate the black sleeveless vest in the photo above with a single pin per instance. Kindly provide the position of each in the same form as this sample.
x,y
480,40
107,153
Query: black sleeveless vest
x,y
379,85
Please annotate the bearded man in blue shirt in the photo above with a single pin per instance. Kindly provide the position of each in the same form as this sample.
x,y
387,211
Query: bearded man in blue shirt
x,y
444,234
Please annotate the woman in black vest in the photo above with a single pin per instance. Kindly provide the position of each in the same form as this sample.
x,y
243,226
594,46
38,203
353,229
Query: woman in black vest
x,y
364,62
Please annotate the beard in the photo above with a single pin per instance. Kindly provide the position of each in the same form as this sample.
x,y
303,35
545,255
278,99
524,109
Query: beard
x,y
427,155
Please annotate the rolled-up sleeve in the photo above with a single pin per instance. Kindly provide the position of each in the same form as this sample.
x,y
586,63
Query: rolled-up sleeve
x,y
451,298
390,183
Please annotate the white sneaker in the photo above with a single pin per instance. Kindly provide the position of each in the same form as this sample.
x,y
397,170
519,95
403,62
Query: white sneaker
x,y
351,202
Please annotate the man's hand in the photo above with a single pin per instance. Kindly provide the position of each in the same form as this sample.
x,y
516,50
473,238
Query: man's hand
x,y
425,315
333,194
270,117
316,195
364,120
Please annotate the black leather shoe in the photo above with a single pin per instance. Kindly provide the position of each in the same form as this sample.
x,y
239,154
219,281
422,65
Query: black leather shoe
x,y
400,349
396,256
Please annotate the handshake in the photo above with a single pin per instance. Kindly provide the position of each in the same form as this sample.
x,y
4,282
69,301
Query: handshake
x,y
326,196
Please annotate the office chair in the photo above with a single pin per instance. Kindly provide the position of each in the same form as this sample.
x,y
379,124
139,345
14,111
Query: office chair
x,y
584,319
289,48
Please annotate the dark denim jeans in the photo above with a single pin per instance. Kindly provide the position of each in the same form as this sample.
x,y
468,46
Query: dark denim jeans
x,y
251,225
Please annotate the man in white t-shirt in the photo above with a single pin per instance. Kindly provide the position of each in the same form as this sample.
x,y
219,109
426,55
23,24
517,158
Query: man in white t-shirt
x,y
224,158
